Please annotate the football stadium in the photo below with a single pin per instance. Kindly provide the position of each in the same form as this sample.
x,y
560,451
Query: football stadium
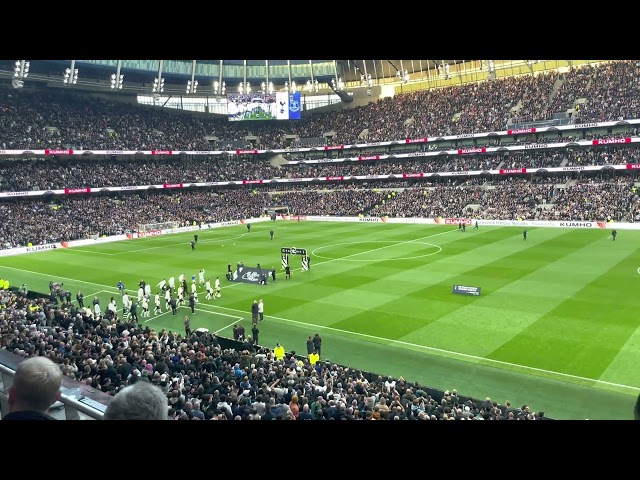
x,y
319,240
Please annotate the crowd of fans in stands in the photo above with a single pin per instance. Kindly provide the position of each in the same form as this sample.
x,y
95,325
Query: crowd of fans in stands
x,y
49,174
69,218
38,120
201,381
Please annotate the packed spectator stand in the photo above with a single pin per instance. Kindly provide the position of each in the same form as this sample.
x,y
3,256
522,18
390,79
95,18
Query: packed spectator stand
x,y
204,380
239,384
33,120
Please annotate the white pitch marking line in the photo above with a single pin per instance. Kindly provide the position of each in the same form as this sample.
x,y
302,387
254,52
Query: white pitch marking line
x,y
439,350
224,328
157,316
386,246
400,342
82,250
313,252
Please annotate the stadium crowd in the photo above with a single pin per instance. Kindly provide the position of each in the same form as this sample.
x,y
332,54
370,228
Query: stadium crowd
x,y
202,381
49,174
38,120
69,218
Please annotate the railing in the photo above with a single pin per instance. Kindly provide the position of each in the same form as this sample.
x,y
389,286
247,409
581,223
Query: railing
x,y
74,409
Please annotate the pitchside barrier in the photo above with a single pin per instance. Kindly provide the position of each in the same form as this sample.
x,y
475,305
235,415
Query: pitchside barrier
x,y
314,218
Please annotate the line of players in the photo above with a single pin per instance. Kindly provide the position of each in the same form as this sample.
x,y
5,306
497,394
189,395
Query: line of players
x,y
168,288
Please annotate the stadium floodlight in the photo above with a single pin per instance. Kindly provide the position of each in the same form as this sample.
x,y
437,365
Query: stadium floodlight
x,y
70,75
192,87
158,82
312,85
117,78
158,85
291,88
267,89
337,85
244,87
219,88
21,69
20,72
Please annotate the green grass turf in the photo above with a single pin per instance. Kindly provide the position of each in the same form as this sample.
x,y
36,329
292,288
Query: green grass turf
x,y
555,326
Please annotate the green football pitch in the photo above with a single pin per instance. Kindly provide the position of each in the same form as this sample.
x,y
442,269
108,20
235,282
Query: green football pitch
x,y
555,326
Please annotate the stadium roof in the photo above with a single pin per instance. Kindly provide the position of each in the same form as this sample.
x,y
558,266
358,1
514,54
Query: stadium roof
x,y
97,73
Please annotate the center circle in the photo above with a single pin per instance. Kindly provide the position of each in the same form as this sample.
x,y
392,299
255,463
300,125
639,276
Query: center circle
x,y
348,258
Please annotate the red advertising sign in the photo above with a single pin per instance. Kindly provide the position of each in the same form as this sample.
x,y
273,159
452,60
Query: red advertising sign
x,y
416,140
370,157
70,191
246,151
472,150
247,182
334,147
334,178
412,175
521,130
58,152
172,185
608,141
508,171
161,152
457,221
150,233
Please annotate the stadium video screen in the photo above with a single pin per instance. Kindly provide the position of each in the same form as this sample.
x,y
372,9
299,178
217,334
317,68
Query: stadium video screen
x,y
260,106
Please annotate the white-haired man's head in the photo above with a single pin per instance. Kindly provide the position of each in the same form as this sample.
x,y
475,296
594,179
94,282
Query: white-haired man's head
x,y
36,385
140,401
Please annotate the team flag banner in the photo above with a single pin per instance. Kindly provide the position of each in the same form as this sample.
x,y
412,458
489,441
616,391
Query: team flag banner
x,y
249,274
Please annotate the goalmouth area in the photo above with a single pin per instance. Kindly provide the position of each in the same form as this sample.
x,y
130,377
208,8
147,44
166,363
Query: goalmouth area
x,y
554,327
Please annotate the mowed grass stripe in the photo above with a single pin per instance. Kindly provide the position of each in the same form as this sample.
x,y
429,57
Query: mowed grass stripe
x,y
344,282
500,315
369,290
585,333
348,288
542,394
490,269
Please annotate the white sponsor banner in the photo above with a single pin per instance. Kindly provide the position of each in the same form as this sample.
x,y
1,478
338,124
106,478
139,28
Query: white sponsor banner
x,y
34,249
544,223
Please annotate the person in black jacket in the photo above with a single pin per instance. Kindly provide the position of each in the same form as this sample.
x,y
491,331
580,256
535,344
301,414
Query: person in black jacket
x,y
254,312
317,343
80,299
192,303
255,332
36,386
133,311
174,306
